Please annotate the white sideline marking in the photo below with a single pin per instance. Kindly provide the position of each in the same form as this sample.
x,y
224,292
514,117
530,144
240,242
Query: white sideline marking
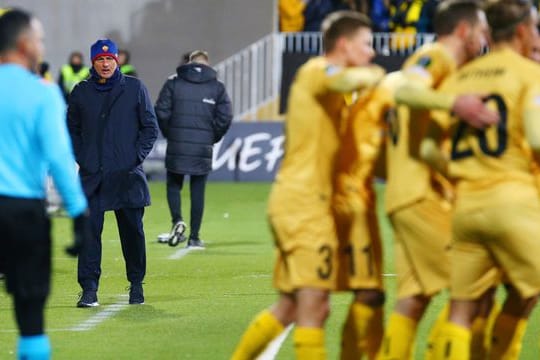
x,y
95,320
180,253
272,349
389,275
92,322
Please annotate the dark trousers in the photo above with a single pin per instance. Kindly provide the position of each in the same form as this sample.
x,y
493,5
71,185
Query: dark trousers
x,y
25,255
197,186
130,229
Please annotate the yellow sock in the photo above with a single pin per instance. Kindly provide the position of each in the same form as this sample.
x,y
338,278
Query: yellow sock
x,y
453,342
262,330
398,338
362,332
309,343
507,335
442,319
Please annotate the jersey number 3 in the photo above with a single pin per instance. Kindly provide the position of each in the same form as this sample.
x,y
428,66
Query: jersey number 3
x,y
463,151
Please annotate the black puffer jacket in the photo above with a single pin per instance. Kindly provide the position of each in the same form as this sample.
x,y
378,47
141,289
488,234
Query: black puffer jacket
x,y
194,112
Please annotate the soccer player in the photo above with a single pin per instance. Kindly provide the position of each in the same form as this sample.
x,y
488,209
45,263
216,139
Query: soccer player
x,y
300,204
360,248
418,201
496,220
34,141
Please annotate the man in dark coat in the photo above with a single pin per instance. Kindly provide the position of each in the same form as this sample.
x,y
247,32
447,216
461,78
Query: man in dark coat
x,y
113,128
194,112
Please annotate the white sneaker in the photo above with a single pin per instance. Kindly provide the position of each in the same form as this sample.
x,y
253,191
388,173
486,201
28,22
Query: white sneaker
x,y
163,238
177,234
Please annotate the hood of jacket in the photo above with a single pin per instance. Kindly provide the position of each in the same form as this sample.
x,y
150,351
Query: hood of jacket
x,y
196,73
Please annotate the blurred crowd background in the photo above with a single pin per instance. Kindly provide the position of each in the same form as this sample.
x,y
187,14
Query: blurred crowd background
x,y
407,16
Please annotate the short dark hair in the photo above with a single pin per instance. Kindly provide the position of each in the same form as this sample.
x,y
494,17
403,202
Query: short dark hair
x,y
504,16
12,24
126,53
76,54
342,23
450,13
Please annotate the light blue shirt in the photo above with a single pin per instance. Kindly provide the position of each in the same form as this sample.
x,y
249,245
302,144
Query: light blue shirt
x,y
34,140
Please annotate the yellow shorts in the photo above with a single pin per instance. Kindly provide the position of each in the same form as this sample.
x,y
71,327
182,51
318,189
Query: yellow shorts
x,y
501,233
306,251
422,237
359,252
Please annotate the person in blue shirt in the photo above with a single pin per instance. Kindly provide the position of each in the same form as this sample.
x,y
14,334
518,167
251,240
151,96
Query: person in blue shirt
x,y
34,142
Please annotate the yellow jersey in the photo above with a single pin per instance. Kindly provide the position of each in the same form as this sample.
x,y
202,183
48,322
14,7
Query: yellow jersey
x,y
410,179
360,146
482,159
313,124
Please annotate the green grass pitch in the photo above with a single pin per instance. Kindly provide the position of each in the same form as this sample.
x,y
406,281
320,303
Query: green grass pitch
x,y
196,306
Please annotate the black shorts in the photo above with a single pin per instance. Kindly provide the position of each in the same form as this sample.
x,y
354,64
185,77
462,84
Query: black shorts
x,y
25,247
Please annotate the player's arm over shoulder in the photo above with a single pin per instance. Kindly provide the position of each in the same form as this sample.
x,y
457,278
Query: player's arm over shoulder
x,y
345,80
386,89
420,78
416,92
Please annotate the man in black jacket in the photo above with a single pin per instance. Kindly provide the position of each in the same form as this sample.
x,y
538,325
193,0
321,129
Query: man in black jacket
x,y
194,112
113,128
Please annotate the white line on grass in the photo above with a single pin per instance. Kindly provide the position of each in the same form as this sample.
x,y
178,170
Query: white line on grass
x,y
180,253
110,310
93,321
272,349
96,319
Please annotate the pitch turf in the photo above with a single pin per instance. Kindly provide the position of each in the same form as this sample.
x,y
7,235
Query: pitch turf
x,y
196,306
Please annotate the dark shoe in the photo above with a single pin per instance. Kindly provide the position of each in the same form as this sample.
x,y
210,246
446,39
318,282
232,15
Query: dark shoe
x,y
88,299
177,233
136,294
195,244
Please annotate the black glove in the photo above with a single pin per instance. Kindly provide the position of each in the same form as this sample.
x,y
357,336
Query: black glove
x,y
82,233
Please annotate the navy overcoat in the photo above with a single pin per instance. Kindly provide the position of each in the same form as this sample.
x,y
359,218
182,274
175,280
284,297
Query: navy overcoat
x,y
112,133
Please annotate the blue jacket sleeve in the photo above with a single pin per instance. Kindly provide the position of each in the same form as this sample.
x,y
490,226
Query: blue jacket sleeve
x,y
223,115
56,146
148,128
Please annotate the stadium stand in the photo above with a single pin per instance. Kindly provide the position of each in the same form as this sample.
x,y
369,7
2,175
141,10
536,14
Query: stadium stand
x,y
258,76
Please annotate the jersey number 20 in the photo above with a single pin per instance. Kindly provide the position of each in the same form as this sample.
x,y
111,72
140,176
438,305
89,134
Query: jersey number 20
x,y
502,138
